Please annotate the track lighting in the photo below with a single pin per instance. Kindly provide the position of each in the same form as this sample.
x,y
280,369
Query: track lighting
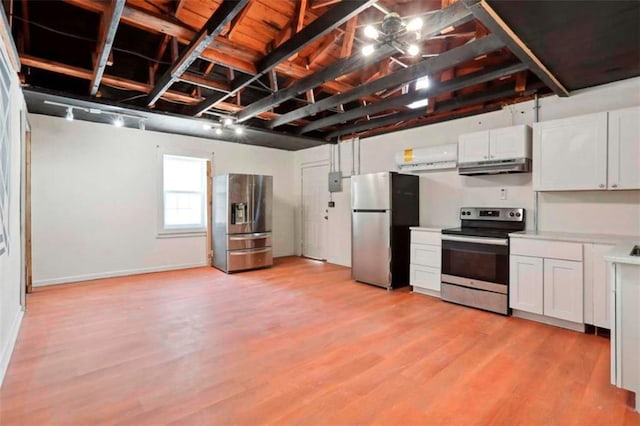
x,y
227,121
415,24
119,121
413,49
368,49
206,126
370,32
419,104
142,125
238,130
69,115
218,130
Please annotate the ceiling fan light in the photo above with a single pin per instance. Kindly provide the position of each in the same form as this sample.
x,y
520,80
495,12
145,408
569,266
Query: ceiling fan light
x,y
370,32
413,49
368,49
415,24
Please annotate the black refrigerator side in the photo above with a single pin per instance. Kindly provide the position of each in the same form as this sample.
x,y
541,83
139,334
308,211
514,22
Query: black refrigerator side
x,y
405,213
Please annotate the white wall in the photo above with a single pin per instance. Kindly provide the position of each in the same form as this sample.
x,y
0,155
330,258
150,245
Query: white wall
x,y
95,199
443,193
11,262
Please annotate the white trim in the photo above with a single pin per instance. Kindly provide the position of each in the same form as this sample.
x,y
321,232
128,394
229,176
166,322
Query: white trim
x,y
7,351
112,274
178,233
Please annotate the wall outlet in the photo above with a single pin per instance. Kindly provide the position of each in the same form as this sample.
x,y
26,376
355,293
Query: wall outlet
x,y
332,203
503,194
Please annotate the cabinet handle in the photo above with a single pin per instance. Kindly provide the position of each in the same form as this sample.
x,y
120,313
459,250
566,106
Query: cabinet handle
x,y
615,185
601,185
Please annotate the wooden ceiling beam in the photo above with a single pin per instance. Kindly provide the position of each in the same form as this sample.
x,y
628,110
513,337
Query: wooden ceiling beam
x,y
484,13
317,4
301,10
349,35
403,76
237,20
223,15
145,20
434,23
402,101
205,82
492,94
124,84
109,26
322,25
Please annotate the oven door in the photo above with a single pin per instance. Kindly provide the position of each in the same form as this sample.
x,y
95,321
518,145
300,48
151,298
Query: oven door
x,y
476,262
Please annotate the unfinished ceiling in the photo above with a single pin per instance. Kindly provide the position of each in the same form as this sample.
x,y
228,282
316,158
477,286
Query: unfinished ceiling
x,y
296,66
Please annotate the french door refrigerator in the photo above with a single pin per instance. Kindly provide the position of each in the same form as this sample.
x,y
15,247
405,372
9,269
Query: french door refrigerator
x,y
383,207
242,222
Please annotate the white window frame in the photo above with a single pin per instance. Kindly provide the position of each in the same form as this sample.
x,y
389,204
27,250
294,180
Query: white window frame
x,y
180,231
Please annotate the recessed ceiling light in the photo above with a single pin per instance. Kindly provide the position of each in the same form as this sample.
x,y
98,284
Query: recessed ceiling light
x,y
419,104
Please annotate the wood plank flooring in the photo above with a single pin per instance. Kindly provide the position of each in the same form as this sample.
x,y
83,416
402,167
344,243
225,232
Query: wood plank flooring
x,y
300,343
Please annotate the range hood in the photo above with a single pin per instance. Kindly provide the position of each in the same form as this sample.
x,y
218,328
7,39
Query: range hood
x,y
493,167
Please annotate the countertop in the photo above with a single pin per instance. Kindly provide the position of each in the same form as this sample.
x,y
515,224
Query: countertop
x,y
431,228
577,237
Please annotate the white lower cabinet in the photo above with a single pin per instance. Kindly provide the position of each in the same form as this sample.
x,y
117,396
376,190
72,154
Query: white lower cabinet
x,y
597,286
563,290
426,259
525,284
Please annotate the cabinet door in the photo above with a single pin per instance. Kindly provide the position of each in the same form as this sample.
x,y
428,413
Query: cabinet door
x,y
570,154
597,286
525,283
510,142
624,149
425,255
425,277
563,290
473,147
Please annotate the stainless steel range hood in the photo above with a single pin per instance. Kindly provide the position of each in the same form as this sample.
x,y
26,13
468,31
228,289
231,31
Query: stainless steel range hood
x,y
493,167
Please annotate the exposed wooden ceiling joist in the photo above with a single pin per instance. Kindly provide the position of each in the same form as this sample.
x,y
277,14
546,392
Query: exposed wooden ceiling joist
x,y
458,83
329,21
223,15
492,94
484,13
430,66
436,22
110,22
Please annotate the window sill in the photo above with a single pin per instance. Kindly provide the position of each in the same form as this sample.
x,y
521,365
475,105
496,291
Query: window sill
x,y
181,234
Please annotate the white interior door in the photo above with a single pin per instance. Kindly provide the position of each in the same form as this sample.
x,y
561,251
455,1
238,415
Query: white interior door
x,y
315,200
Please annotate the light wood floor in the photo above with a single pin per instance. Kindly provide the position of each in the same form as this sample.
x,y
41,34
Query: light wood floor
x,y
296,344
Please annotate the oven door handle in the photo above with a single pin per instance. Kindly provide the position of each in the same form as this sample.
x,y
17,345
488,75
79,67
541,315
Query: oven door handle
x,y
476,240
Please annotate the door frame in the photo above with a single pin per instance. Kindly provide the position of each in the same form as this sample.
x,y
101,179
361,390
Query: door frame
x,y
308,165
26,276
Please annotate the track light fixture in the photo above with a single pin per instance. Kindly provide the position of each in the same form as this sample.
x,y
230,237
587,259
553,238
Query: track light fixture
x,y
238,130
119,121
218,130
206,126
394,31
69,115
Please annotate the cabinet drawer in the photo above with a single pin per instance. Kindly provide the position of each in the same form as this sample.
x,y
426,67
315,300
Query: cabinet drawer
x,y
426,237
425,277
239,260
547,249
425,255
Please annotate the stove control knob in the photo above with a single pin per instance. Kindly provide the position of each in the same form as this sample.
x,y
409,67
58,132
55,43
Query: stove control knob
x,y
512,214
518,214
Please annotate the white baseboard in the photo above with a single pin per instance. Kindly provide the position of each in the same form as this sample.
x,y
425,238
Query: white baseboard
x,y
10,344
426,291
570,325
112,274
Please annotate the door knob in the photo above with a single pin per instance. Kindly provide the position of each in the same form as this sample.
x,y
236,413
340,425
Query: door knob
x,y
326,217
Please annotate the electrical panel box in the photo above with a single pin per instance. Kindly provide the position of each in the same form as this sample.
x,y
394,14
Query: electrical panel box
x,y
335,181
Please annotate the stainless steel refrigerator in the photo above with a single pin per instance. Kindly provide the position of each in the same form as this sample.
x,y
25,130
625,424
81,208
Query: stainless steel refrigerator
x,y
383,207
242,222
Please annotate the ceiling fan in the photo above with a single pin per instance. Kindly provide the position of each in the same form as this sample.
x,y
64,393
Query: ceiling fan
x,y
396,32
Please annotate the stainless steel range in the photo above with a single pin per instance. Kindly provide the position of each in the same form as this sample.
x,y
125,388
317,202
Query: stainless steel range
x,y
475,257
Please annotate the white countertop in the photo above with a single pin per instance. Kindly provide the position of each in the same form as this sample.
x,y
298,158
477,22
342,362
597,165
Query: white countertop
x,y
577,237
431,228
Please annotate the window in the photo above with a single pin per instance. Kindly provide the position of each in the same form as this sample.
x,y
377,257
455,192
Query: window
x,y
5,151
184,185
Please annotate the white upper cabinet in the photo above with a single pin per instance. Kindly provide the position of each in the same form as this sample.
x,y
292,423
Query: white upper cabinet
x,y
498,144
596,151
570,154
624,149
510,142
473,147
